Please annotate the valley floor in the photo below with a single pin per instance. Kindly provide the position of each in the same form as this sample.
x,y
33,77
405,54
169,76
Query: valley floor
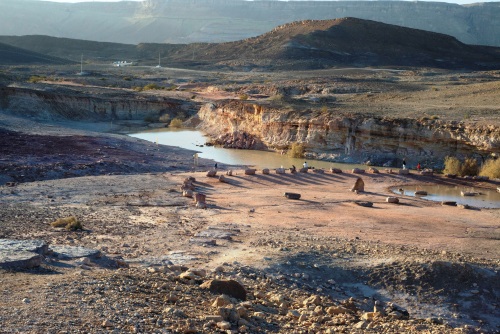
x,y
315,265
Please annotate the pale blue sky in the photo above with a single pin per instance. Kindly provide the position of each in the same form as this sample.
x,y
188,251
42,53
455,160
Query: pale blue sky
x,y
451,1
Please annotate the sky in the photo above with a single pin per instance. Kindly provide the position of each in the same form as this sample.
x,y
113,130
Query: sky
x,y
451,1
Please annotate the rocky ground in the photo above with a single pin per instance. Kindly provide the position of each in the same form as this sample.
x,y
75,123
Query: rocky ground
x,y
321,264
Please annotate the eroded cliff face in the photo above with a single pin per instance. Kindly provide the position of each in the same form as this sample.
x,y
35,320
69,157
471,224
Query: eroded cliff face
x,y
78,106
342,138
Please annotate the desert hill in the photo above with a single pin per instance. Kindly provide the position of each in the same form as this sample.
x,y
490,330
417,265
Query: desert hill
x,y
11,55
180,21
298,45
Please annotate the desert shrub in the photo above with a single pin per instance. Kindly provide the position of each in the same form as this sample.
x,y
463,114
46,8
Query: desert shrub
x,y
277,98
469,167
452,165
36,78
69,223
172,87
164,118
434,117
151,86
491,168
176,123
127,78
243,97
297,150
324,109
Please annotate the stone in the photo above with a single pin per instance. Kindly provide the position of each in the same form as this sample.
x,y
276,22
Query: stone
x,y
334,310
224,325
211,173
404,172
250,171
107,323
365,204
393,200
292,195
420,193
229,172
227,287
187,193
222,300
313,300
201,205
200,198
449,203
203,241
280,171
33,246
336,170
303,170
358,171
318,171
265,171
427,172
74,252
216,318
359,185
222,178
373,170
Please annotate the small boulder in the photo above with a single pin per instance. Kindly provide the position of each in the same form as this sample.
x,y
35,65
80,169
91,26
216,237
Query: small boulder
x,y
394,200
358,171
359,186
319,171
365,204
227,287
336,170
265,171
292,195
280,171
404,172
187,193
250,171
211,173
449,203
373,170
222,179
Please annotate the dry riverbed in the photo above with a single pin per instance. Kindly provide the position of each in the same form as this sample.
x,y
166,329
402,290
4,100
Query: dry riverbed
x,y
320,264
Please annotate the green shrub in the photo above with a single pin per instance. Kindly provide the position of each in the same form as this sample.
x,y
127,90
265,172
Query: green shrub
x,y
324,109
36,78
243,97
297,150
176,123
452,166
491,168
127,78
69,223
469,167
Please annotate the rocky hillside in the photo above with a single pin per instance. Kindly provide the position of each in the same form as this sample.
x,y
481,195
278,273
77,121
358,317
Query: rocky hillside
x,y
344,42
180,21
299,45
380,140
11,55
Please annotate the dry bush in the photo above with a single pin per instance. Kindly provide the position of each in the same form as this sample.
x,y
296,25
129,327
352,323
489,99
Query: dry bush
x,y
152,86
297,150
469,167
164,118
243,97
491,168
176,123
69,223
452,166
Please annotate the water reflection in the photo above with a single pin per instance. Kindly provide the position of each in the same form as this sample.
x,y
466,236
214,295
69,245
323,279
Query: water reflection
x,y
194,140
482,198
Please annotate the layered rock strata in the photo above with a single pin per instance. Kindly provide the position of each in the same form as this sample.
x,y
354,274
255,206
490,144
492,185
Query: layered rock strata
x,y
348,138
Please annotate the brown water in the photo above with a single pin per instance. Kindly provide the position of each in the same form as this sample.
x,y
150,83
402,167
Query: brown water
x,y
482,199
195,140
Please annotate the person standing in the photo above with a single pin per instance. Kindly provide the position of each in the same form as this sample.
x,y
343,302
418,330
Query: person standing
x,y
404,163
305,165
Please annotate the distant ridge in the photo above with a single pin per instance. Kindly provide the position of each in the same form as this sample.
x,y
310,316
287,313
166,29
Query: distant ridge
x,y
310,44
191,21
11,55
